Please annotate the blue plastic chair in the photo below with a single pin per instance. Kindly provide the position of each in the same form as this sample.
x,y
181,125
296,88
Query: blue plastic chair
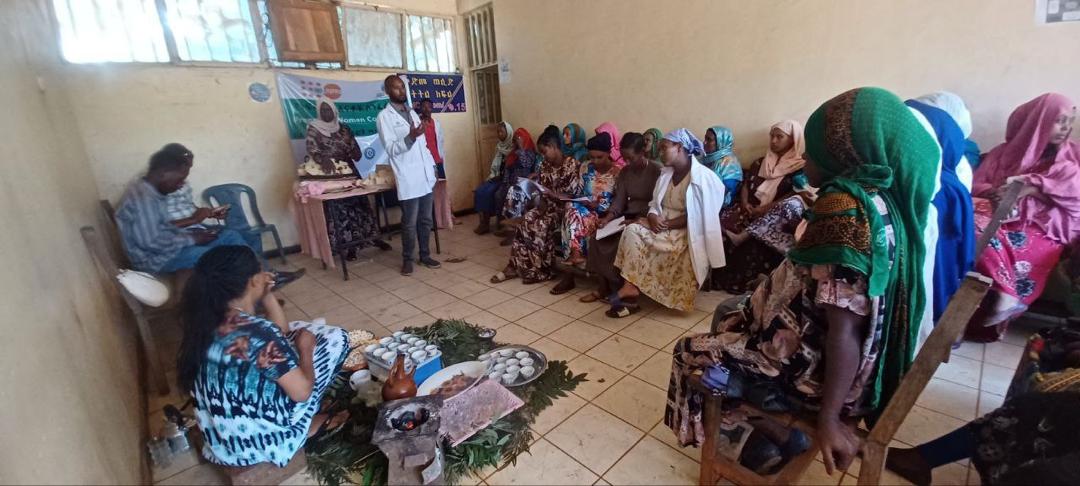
x,y
232,195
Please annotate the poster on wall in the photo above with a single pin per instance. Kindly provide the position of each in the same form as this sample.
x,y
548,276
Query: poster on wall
x,y
338,118
1054,11
446,91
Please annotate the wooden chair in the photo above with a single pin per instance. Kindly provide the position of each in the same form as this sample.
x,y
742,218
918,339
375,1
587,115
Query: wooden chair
x,y
876,441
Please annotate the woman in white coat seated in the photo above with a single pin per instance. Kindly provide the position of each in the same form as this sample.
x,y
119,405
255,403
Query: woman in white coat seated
x,y
669,257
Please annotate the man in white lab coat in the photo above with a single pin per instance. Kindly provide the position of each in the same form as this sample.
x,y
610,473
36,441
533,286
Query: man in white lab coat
x,y
402,134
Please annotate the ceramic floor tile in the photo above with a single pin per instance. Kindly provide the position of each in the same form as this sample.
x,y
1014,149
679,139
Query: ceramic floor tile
x,y
455,310
203,474
599,376
988,402
317,308
654,333
664,434
653,462
378,302
545,464
517,287
571,306
395,313
1003,354
973,477
488,298
304,291
599,319
622,353
515,334
181,461
950,475
432,301
293,313
684,320
418,320
1018,335
635,401
951,399
996,379
414,291
656,370
362,294
923,425
396,283
514,309
474,271
594,437
971,350
349,317
542,296
486,319
463,288
579,336
959,369
554,351
544,321
560,410
816,475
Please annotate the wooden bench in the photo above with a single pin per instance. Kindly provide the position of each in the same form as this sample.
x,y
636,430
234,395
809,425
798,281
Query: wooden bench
x,y
876,441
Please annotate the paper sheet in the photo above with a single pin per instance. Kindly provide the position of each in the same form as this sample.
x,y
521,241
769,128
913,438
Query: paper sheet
x,y
614,226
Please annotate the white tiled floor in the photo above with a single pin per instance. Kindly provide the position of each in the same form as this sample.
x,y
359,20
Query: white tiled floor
x,y
609,430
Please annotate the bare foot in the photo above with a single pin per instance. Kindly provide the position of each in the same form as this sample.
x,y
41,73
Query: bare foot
x,y
737,238
909,464
629,291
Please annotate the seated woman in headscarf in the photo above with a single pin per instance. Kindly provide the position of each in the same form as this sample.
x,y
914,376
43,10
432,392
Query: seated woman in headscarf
x,y
652,144
613,132
843,300
573,142
633,192
669,255
760,227
1046,219
955,107
1033,438
720,158
532,253
488,198
523,163
580,221
332,148
954,251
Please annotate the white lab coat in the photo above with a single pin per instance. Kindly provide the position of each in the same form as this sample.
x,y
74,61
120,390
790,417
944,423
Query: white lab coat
x,y
414,168
704,199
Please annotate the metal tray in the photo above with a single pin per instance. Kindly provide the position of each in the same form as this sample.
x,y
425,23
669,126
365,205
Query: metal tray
x,y
541,363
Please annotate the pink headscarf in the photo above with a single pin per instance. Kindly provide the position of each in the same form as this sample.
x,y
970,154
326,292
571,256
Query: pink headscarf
x,y
612,130
1026,136
775,166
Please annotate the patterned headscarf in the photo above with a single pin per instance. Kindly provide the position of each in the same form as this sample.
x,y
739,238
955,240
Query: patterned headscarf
x,y
723,161
686,138
866,142
654,152
576,149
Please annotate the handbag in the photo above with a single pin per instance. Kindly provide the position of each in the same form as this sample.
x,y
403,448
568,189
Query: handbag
x,y
144,287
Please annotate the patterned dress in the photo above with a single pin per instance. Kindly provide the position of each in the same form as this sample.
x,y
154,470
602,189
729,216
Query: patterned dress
x,y
659,264
246,418
779,336
759,254
533,251
349,221
580,220
513,199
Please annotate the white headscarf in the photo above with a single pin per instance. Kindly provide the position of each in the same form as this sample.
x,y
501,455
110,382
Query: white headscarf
x,y
953,105
776,166
326,128
502,149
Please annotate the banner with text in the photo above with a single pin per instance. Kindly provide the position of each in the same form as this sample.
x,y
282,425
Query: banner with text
x,y
358,104
446,91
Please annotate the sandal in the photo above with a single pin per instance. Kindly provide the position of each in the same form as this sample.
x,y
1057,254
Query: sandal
x,y
620,311
501,277
593,297
560,289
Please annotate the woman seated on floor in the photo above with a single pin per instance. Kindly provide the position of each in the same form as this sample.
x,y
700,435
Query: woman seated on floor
x,y
633,191
257,386
668,256
720,158
837,302
580,221
760,227
532,254
1037,152
488,197
1033,438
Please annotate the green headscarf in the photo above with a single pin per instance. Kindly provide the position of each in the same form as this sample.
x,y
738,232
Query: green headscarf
x,y
654,152
576,149
866,142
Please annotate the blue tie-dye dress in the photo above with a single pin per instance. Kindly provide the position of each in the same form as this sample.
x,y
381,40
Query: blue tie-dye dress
x,y
246,418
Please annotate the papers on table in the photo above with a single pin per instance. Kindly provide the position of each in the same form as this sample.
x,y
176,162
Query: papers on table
x,y
614,226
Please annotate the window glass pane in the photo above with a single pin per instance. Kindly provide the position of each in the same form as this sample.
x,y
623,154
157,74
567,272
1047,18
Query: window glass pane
x,y
110,31
213,30
373,38
430,45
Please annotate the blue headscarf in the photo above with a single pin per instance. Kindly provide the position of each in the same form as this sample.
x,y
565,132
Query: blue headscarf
x,y
724,163
956,224
684,137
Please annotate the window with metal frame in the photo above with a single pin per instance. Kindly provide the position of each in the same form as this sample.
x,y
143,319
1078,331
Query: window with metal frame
x,y
387,39
480,33
218,31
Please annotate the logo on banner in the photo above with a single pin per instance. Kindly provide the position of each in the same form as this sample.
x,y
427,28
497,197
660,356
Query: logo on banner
x,y
332,91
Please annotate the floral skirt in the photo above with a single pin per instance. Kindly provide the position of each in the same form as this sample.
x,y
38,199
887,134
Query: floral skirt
x,y
351,221
771,236
659,265
1020,259
579,224
533,252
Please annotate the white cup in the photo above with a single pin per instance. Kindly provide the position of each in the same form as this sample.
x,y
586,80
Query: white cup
x,y
528,371
512,362
386,340
521,355
371,348
506,353
526,362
